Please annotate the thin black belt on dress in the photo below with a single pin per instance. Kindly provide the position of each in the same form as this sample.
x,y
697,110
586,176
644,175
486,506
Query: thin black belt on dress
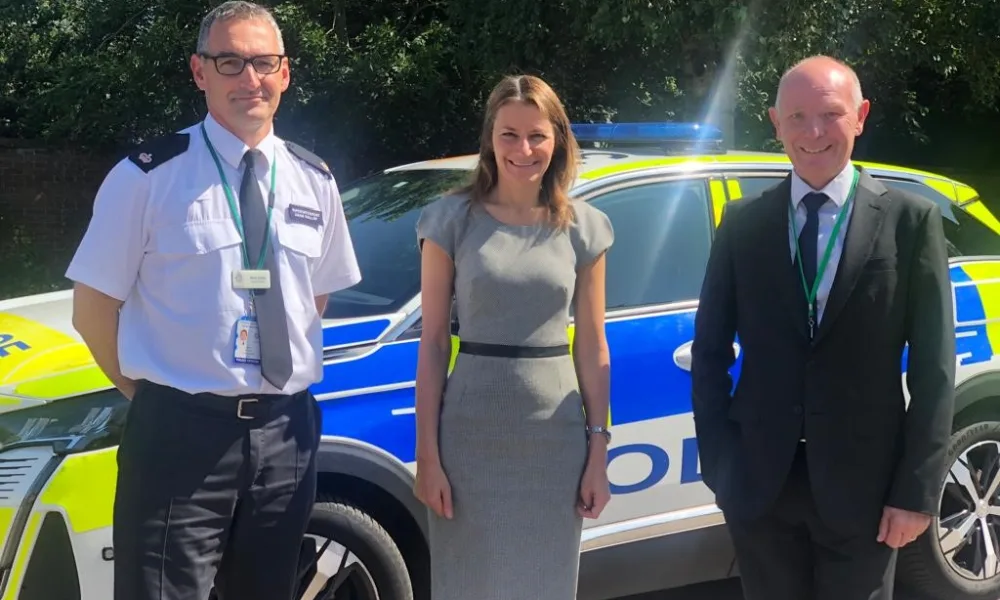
x,y
512,351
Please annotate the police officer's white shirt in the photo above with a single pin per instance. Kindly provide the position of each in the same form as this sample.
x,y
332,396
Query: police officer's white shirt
x,y
164,242
837,191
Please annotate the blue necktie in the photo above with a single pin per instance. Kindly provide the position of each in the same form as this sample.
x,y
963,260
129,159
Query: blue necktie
x,y
269,306
809,235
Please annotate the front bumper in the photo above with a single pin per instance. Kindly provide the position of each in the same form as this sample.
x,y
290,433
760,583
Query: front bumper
x,y
55,524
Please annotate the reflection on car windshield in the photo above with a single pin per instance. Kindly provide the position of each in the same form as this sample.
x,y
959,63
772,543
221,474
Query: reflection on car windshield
x,y
382,213
966,235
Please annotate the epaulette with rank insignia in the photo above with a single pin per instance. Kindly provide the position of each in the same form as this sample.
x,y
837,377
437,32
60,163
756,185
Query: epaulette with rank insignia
x,y
155,152
309,158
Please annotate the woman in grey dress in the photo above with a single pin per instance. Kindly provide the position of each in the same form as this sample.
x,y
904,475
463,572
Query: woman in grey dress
x,y
512,447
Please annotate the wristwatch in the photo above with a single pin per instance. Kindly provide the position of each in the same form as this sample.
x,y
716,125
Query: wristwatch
x,y
592,429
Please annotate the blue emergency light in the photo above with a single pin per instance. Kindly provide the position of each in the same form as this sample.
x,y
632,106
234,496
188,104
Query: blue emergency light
x,y
664,135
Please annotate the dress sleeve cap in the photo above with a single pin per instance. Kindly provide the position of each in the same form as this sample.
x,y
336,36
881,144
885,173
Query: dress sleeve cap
x,y
592,234
439,222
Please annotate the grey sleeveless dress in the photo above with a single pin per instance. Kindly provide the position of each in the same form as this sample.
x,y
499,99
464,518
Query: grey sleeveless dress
x,y
511,434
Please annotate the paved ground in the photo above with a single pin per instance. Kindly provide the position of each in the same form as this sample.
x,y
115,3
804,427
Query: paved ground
x,y
723,590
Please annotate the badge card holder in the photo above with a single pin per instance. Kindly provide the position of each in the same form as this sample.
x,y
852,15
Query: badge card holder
x,y
247,350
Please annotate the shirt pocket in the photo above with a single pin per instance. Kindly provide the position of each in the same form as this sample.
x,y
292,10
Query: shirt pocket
x,y
190,267
298,248
301,240
196,237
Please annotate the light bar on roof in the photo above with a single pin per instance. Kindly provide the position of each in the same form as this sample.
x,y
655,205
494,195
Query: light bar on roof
x,y
647,133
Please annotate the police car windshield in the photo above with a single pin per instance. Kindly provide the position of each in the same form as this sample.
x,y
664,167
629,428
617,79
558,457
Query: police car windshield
x,y
382,213
968,236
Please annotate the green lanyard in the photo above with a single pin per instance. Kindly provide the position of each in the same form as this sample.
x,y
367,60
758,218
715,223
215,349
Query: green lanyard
x,y
235,212
830,243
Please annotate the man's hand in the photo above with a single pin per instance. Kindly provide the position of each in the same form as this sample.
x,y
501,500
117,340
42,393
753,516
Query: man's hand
x,y
127,387
95,316
900,527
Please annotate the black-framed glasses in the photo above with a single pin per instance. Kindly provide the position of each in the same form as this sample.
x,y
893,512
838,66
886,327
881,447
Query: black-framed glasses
x,y
230,64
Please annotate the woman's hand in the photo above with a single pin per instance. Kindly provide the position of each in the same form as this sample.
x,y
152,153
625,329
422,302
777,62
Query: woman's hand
x,y
432,488
595,491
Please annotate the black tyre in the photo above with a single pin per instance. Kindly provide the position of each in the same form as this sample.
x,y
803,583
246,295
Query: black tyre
x,y
347,555
957,558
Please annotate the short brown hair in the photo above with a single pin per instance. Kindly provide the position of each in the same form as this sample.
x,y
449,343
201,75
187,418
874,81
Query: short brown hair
x,y
562,170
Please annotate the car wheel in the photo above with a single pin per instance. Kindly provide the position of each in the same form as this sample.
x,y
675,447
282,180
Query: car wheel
x,y
957,558
347,555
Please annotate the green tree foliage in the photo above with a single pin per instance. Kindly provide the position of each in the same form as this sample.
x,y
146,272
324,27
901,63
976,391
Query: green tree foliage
x,y
381,82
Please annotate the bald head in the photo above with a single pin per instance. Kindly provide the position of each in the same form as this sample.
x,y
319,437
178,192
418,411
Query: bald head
x,y
818,113
825,71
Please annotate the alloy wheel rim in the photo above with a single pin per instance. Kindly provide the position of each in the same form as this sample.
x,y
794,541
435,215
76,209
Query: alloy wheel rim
x,y
334,573
968,530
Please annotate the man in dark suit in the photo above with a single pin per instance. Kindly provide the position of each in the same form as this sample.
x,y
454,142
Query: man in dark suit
x,y
820,466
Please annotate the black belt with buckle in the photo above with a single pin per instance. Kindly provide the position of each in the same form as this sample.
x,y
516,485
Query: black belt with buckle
x,y
246,407
504,351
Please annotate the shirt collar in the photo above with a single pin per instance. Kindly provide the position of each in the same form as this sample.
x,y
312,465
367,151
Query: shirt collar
x,y
231,148
837,190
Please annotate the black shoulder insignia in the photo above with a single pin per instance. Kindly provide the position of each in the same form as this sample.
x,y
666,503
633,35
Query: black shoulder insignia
x,y
309,158
157,151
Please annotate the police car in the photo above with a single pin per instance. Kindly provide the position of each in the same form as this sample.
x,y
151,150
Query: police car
x,y
664,186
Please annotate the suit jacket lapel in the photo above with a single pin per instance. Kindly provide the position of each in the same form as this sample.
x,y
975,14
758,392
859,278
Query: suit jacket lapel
x,y
783,278
863,227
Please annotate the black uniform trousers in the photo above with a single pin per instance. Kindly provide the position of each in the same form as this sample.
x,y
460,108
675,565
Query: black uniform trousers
x,y
790,554
213,491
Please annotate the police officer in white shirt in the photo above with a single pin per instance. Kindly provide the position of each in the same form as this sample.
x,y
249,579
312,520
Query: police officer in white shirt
x,y
200,285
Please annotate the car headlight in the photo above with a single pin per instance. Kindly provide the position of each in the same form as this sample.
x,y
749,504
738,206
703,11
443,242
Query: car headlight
x,y
76,424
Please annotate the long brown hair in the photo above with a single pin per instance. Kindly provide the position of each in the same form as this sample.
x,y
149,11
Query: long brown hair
x,y
562,169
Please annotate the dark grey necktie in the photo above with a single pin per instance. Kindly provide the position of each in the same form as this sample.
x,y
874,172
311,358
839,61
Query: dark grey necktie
x,y
809,235
269,306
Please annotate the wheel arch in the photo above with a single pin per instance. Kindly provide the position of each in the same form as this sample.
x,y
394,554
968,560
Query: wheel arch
x,y
340,458
978,397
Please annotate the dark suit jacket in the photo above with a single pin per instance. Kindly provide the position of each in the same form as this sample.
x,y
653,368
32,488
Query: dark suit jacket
x,y
843,391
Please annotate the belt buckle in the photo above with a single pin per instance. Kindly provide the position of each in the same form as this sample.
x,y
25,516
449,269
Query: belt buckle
x,y
239,408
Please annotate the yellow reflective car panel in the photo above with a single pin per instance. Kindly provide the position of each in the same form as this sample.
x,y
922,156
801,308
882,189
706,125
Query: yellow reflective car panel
x,y
769,158
718,192
84,486
733,188
29,350
6,518
979,210
964,193
27,543
640,164
62,385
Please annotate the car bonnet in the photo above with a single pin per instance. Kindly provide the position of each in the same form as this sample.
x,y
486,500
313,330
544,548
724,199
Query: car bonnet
x,y
42,358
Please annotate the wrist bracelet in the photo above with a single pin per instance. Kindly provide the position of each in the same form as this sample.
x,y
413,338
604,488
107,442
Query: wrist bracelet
x,y
592,429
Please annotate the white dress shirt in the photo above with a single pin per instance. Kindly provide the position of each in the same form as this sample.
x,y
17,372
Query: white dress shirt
x,y
837,191
164,243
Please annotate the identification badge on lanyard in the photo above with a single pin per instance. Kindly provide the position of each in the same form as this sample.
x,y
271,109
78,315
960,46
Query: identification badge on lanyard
x,y
247,348
252,279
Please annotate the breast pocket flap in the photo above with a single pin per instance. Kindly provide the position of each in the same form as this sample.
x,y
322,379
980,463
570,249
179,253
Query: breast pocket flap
x,y
200,237
301,239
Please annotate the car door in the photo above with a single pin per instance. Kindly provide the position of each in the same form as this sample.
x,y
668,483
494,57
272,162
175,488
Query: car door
x,y
663,234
